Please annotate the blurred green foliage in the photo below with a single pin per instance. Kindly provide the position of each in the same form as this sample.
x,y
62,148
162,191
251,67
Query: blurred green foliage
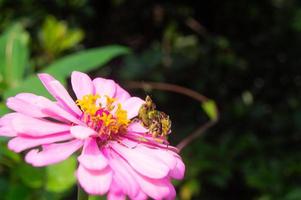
x,y
244,55
55,37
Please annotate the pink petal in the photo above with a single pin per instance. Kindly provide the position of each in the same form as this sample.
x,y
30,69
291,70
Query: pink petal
x,y
52,153
82,132
6,119
21,143
28,97
116,196
81,84
132,106
121,94
38,106
155,188
25,107
46,79
93,181
104,87
6,128
7,131
137,128
179,171
162,154
91,157
172,192
115,192
37,127
142,161
61,94
55,111
35,100
123,177
140,196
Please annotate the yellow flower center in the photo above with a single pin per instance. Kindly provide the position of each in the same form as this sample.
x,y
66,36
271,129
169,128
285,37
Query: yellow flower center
x,y
107,120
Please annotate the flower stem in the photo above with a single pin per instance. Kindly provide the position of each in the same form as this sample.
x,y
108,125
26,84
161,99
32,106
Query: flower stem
x,y
81,194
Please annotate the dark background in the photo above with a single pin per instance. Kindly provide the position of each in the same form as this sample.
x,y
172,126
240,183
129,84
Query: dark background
x,y
245,55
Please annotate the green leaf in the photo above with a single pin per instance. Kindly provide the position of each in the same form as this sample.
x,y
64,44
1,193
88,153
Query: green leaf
x,y
14,54
3,109
97,198
61,69
56,37
18,191
60,177
211,109
85,61
3,185
73,38
5,152
31,176
32,85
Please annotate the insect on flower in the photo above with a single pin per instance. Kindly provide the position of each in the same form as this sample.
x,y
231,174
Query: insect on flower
x,y
156,121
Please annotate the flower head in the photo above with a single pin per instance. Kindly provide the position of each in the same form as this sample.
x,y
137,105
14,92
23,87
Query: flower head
x,y
122,139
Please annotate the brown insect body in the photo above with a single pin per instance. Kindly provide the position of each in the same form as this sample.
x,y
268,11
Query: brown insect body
x,y
156,121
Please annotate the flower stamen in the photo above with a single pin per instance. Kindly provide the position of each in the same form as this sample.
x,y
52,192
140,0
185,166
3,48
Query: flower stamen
x,y
107,120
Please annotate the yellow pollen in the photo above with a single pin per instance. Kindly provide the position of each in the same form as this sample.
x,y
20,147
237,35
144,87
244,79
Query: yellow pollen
x,y
88,104
110,102
100,118
107,119
122,115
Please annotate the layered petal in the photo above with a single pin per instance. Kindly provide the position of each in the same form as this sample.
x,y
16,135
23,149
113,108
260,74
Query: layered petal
x,y
59,93
116,196
52,153
163,155
23,142
7,131
26,104
104,87
132,106
179,171
155,188
6,128
143,162
140,196
92,158
82,132
26,125
53,110
121,94
38,106
95,182
81,84
123,177
115,192
46,79
172,192
137,127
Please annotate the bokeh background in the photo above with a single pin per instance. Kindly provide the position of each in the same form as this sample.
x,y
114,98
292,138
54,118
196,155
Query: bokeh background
x,y
243,55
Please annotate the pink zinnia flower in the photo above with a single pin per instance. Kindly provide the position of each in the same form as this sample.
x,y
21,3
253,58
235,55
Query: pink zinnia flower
x,y
119,155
